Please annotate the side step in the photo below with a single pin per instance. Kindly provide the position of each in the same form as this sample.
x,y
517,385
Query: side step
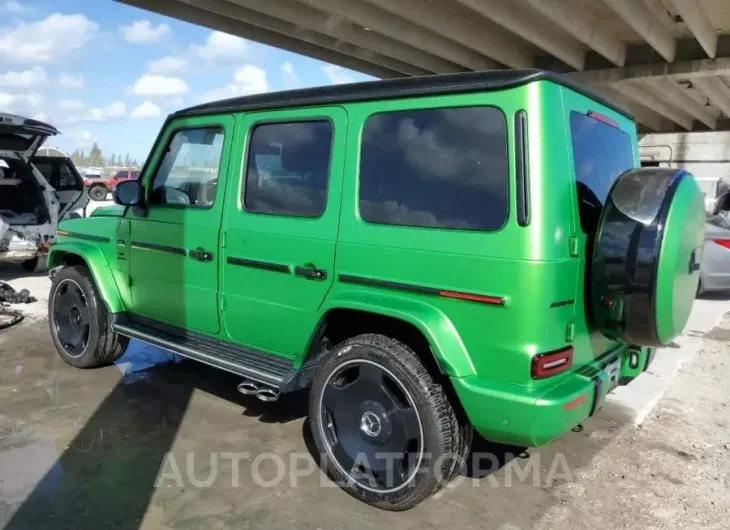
x,y
258,366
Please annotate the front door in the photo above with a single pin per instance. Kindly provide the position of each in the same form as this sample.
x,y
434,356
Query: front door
x,y
282,227
174,241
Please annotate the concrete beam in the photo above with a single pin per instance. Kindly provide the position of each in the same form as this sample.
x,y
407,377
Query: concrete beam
x,y
655,103
698,23
530,26
308,18
237,12
579,22
683,69
194,15
643,22
643,115
717,90
669,90
404,31
438,17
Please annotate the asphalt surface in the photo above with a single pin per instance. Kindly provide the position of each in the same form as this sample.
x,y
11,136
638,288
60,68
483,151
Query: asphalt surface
x,y
156,442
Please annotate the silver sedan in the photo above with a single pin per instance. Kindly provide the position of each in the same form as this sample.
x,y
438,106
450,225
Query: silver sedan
x,y
715,266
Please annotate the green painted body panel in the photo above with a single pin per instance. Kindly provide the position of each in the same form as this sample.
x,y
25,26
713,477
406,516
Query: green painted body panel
x,y
487,350
684,234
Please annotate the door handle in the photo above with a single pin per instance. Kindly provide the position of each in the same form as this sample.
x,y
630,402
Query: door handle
x,y
200,254
310,273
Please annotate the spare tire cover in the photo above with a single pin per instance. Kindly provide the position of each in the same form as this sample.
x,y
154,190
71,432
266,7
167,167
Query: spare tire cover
x,y
645,265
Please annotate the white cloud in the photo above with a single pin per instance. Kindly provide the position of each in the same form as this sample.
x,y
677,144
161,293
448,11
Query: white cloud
x,y
71,105
248,80
22,104
82,139
80,113
146,110
221,47
49,40
71,81
167,65
144,32
151,85
289,76
33,78
13,6
337,75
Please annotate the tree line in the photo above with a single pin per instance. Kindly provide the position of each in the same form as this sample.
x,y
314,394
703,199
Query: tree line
x,y
95,158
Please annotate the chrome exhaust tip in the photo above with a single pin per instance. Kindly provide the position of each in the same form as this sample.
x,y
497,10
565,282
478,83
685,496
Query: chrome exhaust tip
x,y
267,394
248,388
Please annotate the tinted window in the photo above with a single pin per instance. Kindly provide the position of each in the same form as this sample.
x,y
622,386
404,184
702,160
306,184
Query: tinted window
x,y
287,168
58,173
601,152
443,168
188,172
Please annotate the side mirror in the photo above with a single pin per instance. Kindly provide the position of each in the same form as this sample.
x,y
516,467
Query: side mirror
x,y
127,193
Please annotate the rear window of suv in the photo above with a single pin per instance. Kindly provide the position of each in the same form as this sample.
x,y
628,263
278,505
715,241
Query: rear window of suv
x,y
436,168
601,152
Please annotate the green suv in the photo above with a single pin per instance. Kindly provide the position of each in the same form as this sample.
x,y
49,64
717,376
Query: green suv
x,y
429,256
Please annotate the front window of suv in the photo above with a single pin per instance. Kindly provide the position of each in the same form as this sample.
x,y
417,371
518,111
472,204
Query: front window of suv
x,y
601,152
188,172
436,168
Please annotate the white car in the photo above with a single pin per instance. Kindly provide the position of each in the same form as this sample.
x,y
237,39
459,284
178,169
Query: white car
x,y
35,191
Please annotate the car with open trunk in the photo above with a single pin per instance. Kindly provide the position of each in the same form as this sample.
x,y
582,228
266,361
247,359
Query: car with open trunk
x,y
429,256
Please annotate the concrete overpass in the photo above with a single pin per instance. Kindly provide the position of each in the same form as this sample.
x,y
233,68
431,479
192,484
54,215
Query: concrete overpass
x,y
667,61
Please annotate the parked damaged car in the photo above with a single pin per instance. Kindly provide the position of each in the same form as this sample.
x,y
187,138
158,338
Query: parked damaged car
x,y
35,191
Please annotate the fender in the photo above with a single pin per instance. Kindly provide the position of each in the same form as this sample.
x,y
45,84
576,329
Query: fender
x,y
96,262
440,332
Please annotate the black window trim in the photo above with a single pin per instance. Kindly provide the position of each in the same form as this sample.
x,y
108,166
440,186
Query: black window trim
x,y
522,168
274,121
438,107
170,136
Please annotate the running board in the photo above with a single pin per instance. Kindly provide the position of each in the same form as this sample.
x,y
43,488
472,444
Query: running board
x,y
261,367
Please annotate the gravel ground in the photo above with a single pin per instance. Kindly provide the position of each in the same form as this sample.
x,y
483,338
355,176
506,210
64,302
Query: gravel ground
x,y
673,471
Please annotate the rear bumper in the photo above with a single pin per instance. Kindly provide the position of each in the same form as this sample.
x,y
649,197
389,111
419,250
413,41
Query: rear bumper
x,y
513,414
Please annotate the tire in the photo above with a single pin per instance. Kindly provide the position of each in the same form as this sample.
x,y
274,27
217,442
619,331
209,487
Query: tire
x,y
37,264
79,321
349,397
98,193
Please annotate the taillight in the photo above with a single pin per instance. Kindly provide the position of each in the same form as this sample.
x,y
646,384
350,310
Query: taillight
x,y
552,363
603,119
722,242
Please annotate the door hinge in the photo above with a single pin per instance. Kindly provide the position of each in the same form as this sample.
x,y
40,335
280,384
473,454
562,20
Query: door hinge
x,y
223,240
223,304
573,246
129,280
570,332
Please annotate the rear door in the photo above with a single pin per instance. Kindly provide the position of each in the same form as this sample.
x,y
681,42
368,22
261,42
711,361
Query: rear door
x,y
68,184
281,226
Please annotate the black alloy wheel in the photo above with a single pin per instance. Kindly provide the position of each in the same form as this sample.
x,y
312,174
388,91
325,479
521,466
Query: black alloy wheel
x,y
373,430
71,317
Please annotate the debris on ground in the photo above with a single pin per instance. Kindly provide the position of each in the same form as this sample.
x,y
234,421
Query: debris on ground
x,y
8,295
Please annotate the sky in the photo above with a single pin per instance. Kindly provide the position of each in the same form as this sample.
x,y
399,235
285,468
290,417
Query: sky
x,y
101,71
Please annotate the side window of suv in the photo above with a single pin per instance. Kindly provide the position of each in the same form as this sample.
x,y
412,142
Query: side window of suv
x,y
287,168
436,168
188,172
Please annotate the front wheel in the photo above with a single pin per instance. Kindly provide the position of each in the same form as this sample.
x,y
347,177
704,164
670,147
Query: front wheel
x,y
385,430
79,321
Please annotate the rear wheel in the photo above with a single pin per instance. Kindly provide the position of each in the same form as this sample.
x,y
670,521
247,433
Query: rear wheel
x,y
98,193
79,321
385,430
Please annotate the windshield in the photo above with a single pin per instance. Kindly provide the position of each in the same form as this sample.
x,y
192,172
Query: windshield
x,y
601,152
